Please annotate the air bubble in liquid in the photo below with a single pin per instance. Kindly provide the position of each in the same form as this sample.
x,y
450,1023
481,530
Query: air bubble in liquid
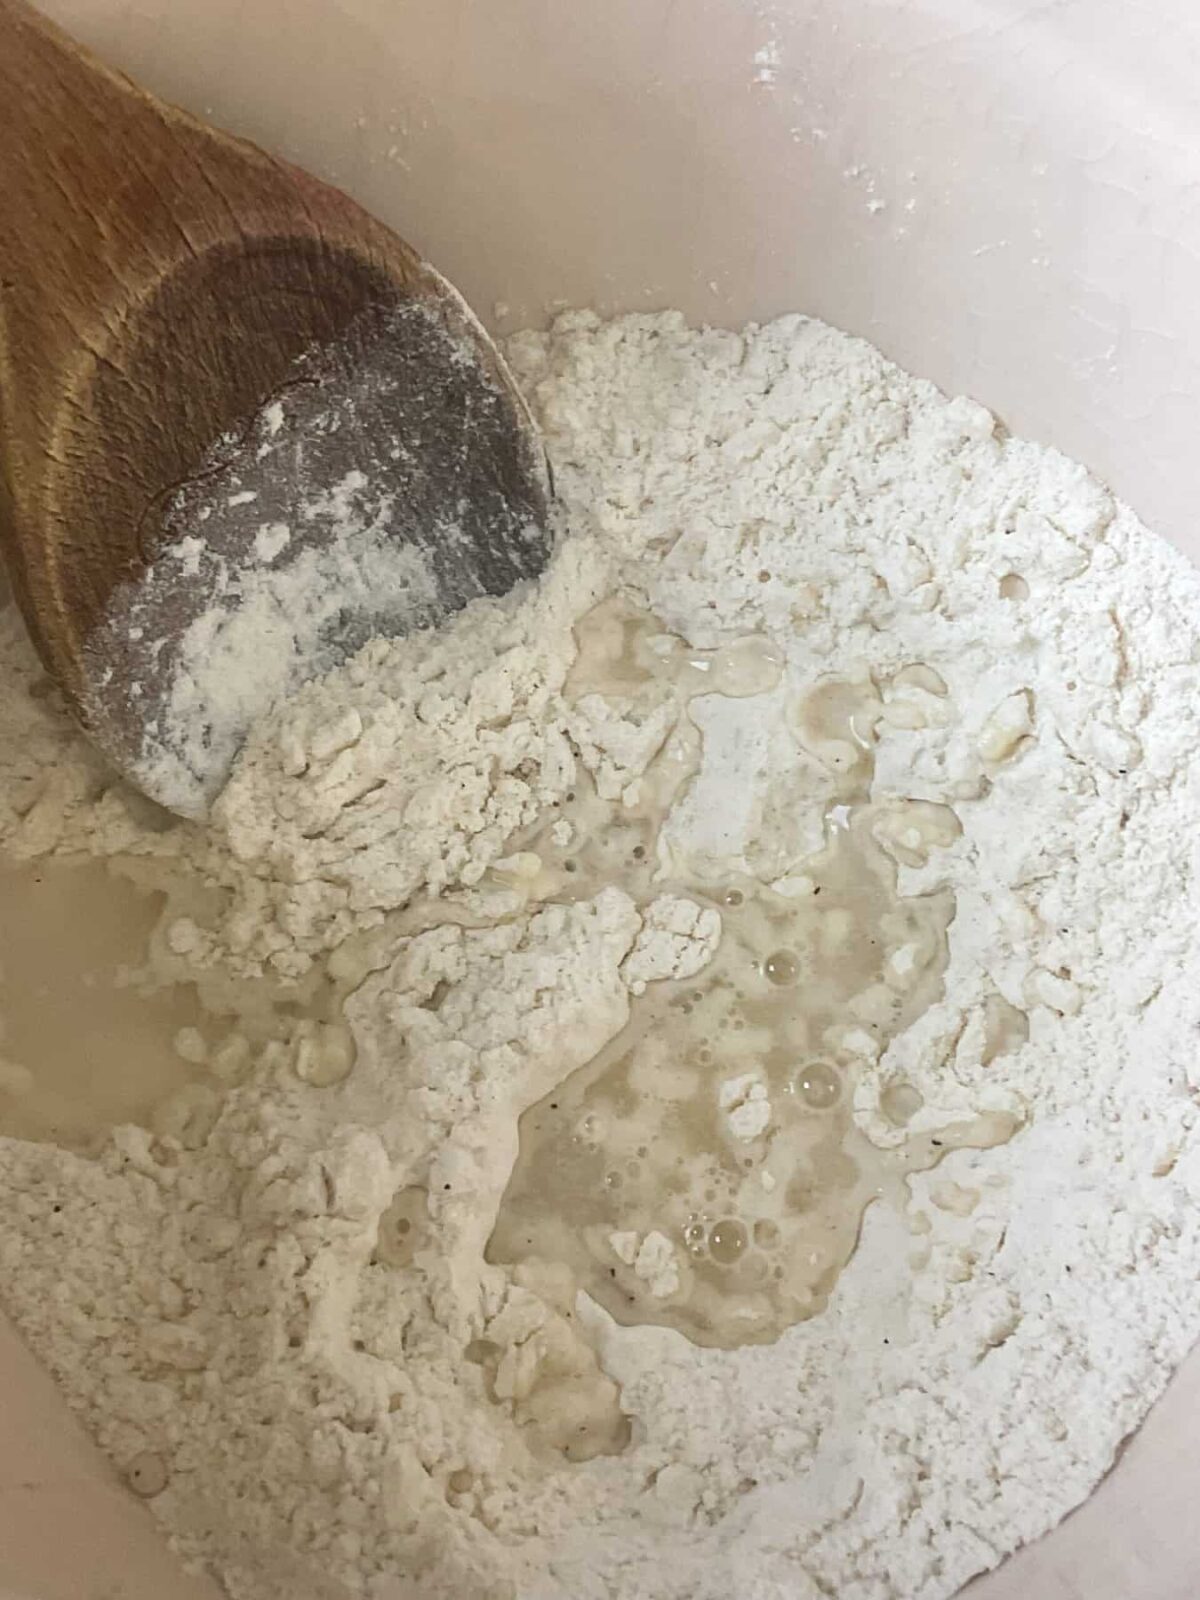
x,y
695,1236
781,967
900,1103
726,1241
766,1234
818,1085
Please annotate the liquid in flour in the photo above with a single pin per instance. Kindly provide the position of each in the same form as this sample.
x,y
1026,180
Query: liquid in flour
x,y
87,1037
705,1171
98,1025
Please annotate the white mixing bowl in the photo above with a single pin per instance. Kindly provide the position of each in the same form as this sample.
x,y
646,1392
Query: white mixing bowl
x,y
1002,194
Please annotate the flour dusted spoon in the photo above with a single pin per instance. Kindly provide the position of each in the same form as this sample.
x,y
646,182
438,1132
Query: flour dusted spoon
x,y
243,426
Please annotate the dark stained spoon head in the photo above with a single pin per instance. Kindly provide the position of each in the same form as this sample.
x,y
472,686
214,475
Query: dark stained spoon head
x,y
200,342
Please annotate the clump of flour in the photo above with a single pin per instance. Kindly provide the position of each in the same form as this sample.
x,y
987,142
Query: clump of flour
x,y
289,1311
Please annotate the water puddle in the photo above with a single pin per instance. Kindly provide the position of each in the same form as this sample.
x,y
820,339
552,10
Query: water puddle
x,y
704,1172
87,1038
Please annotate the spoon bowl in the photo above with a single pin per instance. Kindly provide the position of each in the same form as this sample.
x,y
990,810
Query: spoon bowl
x,y
181,312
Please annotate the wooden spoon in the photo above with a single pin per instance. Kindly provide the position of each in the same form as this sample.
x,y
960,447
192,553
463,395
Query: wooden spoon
x,y
198,342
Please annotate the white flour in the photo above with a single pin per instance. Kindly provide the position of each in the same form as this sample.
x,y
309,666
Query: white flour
x,y
248,650
326,1427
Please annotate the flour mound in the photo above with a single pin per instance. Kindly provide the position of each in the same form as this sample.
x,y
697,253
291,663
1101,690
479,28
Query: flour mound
x,y
288,1304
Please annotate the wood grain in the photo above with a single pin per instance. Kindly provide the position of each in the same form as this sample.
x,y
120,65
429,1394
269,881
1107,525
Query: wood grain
x,y
159,280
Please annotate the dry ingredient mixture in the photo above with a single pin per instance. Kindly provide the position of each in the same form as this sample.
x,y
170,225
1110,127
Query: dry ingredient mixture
x,y
681,1083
